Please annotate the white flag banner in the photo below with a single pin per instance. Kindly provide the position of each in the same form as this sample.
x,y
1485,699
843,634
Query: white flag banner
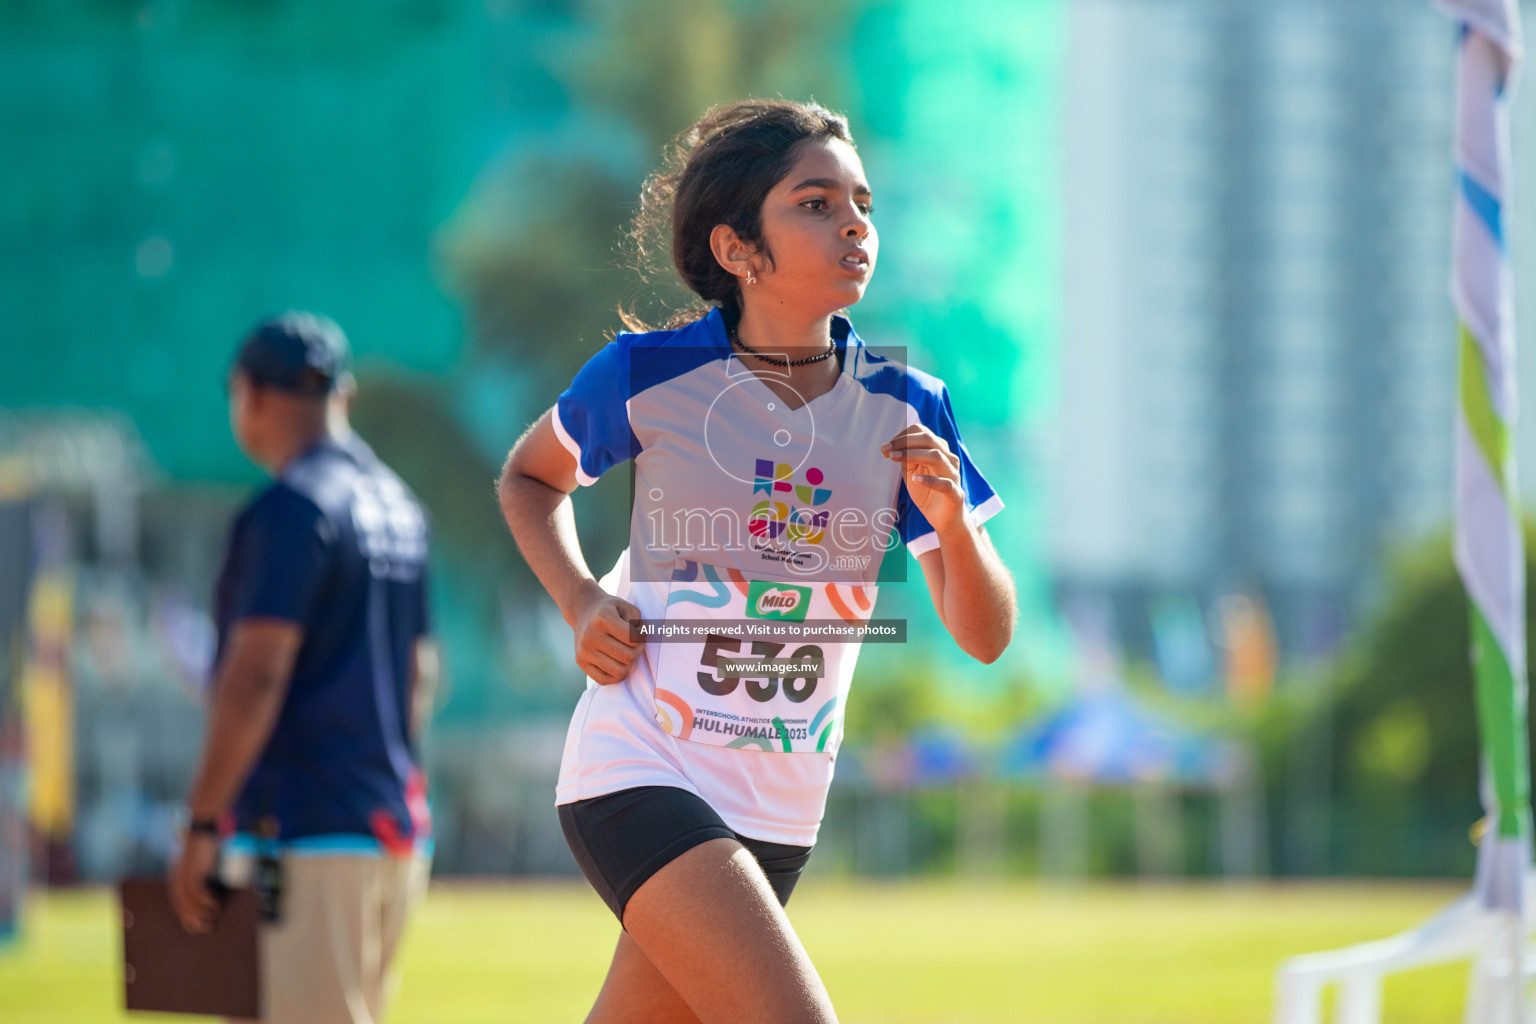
x,y
1489,924
1489,546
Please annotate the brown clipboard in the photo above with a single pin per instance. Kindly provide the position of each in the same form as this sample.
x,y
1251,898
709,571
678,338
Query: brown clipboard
x,y
168,971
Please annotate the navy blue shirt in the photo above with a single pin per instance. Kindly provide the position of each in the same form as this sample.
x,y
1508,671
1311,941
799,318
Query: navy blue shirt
x,y
338,545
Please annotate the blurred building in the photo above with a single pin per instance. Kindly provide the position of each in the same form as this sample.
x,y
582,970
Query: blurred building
x,y
1258,369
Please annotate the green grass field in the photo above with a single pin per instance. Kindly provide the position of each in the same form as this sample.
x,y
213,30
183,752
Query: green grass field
x,y
890,953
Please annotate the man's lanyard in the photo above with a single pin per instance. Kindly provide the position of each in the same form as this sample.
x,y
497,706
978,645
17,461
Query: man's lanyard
x,y
269,870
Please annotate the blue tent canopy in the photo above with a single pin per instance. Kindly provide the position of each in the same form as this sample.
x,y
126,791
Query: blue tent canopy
x,y
1108,736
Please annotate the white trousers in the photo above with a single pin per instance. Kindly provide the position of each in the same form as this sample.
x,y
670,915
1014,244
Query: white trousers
x,y
329,959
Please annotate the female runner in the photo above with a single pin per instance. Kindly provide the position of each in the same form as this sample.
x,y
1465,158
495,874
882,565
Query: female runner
x,y
774,457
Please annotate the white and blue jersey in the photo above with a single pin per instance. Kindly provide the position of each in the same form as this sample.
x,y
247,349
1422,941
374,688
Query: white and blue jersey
x,y
749,514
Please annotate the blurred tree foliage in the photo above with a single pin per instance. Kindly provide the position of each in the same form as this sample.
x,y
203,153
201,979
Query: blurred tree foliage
x,y
410,421
1403,732
897,704
536,251
661,64
897,697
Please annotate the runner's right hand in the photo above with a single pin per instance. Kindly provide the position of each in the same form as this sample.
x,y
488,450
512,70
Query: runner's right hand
x,y
604,650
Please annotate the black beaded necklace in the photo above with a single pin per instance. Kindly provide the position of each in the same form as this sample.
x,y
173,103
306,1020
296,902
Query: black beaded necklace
x,y
775,360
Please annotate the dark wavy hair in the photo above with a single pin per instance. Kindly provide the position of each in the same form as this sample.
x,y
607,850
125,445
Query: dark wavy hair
x,y
719,171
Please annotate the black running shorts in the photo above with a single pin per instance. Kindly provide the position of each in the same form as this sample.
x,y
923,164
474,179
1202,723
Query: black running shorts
x,y
621,839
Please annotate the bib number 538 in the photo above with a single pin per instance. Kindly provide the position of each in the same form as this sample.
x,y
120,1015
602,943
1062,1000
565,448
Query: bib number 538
x,y
798,686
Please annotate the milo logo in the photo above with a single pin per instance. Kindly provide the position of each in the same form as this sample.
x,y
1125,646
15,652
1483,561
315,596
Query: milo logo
x,y
777,601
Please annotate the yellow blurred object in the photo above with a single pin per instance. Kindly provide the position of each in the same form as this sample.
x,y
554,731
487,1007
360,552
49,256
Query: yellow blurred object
x,y
1249,639
15,479
48,705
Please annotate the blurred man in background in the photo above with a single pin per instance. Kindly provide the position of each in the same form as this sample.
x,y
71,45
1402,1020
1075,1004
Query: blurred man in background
x,y
324,671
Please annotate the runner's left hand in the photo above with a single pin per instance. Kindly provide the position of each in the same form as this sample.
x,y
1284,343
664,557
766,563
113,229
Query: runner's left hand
x,y
932,475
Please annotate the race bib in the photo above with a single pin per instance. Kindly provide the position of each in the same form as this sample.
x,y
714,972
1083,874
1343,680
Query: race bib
x,y
755,662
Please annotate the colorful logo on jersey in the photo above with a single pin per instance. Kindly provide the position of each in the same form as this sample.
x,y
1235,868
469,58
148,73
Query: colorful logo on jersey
x,y
673,714
783,601
771,519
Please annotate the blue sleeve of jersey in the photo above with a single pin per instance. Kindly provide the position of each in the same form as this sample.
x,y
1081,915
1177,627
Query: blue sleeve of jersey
x,y
592,415
280,558
981,501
